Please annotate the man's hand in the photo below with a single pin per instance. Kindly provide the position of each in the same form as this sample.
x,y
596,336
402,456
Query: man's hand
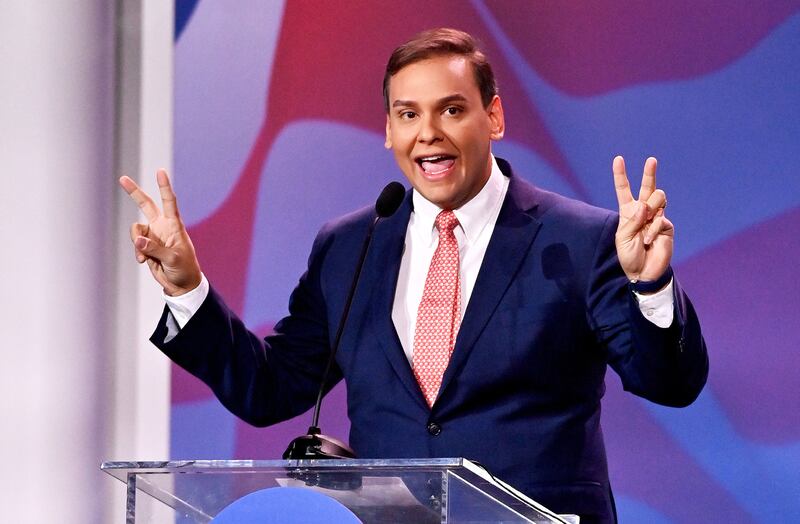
x,y
163,242
644,236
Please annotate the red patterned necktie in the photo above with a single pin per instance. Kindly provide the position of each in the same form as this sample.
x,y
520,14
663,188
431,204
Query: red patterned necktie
x,y
439,314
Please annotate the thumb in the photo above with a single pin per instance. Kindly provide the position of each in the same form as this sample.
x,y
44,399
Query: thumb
x,y
633,225
151,248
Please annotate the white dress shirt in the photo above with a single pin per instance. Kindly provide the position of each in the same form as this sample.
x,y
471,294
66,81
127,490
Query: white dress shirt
x,y
476,219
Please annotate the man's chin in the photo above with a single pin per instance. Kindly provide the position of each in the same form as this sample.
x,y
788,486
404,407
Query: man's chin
x,y
442,199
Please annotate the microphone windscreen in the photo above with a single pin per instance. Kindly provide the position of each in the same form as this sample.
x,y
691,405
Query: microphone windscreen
x,y
390,199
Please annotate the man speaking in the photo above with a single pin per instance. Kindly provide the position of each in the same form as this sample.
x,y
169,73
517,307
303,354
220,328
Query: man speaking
x,y
487,309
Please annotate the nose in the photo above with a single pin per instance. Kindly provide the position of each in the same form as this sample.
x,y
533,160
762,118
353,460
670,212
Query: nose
x,y
429,130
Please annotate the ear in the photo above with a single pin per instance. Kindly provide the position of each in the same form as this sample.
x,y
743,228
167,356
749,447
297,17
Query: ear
x,y
388,143
497,122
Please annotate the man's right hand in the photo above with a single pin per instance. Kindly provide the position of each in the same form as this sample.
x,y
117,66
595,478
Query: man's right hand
x,y
163,241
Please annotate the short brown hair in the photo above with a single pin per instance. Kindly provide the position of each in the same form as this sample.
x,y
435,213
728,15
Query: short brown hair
x,y
439,42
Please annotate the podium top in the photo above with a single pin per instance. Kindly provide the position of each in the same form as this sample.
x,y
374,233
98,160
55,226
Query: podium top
x,y
435,490
121,469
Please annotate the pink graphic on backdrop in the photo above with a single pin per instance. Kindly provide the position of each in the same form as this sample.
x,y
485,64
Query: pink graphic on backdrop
x,y
592,48
679,477
754,285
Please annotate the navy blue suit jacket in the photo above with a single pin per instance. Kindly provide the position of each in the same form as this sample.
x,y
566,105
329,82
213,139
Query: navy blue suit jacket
x,y
550,309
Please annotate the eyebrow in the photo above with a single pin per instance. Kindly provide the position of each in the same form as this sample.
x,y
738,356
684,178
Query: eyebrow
x,y
442,101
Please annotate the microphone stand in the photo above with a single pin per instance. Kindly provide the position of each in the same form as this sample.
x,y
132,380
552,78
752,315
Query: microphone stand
x,y
315,445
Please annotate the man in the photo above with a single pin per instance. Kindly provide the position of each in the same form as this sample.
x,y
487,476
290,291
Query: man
x,y
487,312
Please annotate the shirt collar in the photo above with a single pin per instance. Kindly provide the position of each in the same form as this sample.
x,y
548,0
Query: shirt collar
x,y
472,216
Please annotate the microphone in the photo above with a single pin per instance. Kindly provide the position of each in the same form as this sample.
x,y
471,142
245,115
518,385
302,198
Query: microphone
x,y
315,445
390,199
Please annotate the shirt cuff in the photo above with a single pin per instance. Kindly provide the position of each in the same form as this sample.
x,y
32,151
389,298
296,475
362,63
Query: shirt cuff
x,y
658,307
183,307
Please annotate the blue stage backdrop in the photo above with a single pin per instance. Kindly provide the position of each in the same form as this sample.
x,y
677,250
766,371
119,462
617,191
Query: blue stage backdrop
x,y
279,127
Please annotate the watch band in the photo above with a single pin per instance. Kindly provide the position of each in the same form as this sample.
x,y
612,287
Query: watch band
x,y
651,286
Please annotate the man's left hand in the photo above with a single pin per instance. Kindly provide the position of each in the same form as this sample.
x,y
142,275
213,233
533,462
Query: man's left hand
x,y
644,236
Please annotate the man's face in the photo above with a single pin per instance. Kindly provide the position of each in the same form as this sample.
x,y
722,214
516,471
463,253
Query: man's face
x,y
439,131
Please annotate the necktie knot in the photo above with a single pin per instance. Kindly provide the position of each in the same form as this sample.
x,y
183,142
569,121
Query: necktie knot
x,y
446,221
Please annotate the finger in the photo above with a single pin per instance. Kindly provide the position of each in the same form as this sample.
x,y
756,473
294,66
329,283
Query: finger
x,y
659,226
648,179
141,198
138,230
139,256
630,227
624,195
152,249
657,201
168,200
652,229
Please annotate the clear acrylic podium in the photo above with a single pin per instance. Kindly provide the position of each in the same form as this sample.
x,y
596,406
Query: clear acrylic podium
x,y
376,491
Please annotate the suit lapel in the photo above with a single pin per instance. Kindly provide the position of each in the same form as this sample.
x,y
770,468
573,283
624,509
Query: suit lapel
x,y
386,253
511,239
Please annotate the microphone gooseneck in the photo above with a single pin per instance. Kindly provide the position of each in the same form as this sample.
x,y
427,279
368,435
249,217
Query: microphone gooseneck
x,y
315,445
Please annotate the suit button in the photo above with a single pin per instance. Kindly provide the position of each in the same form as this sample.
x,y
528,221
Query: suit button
x,y
434,428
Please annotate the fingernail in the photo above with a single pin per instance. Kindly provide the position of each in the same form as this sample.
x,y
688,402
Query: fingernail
x,y
140,243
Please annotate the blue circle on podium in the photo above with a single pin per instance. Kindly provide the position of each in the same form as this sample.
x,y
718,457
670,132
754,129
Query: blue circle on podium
x,y
286,506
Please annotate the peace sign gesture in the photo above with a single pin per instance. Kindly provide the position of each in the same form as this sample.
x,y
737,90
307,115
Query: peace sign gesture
x,y
163,241
644,236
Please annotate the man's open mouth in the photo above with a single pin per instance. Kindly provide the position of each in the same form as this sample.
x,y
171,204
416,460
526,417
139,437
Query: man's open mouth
x,y
436,164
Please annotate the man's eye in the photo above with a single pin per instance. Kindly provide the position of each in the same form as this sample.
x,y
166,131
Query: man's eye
x,y
407,115
453,111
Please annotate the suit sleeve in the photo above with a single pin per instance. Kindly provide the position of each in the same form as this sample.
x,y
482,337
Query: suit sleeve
x,y
262,381
668,366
